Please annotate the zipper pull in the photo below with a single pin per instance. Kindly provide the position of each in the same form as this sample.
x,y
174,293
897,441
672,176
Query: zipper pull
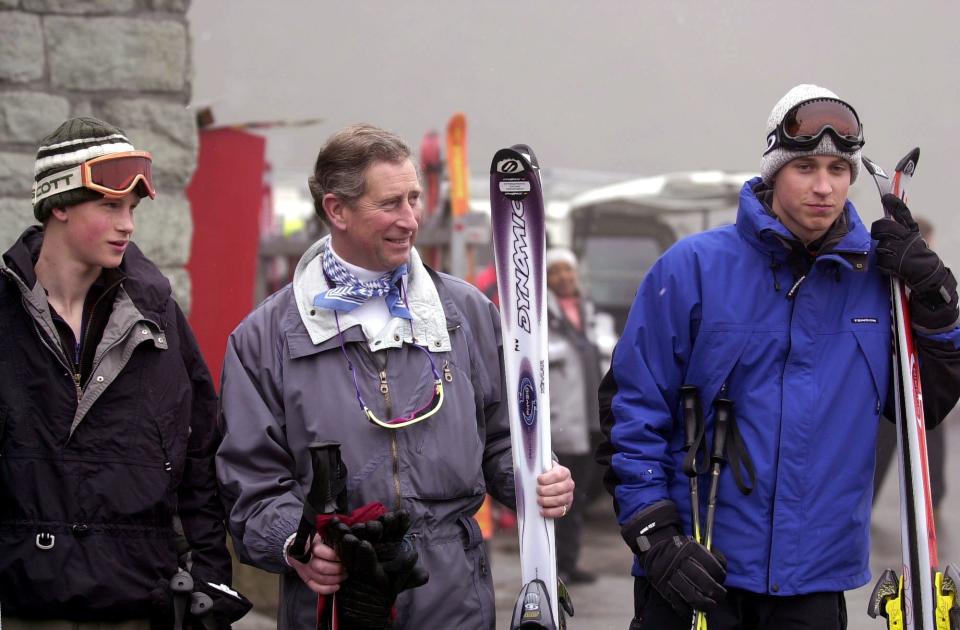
x,y
76,384
384,388
447,375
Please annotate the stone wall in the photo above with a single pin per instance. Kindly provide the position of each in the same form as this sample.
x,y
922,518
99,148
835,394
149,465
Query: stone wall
x,y
124,61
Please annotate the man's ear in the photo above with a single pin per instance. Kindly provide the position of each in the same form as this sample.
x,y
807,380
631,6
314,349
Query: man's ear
x,y
335,209
58,214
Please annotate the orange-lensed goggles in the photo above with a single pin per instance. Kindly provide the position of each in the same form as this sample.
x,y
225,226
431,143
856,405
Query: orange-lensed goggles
x,y
112,175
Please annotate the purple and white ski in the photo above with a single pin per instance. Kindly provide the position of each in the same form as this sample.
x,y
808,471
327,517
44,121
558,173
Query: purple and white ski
x,y
519,239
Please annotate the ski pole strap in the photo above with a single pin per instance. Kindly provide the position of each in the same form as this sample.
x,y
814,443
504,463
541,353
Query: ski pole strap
x,y
695,442
738,457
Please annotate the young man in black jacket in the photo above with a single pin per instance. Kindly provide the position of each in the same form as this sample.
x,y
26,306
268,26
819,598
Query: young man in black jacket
x,y
107,410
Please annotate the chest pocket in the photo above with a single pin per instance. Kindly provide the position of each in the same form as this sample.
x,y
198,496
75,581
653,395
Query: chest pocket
x,y
875,347
715,354
445,451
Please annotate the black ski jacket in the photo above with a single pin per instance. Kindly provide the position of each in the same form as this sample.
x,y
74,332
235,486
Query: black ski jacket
x,y
91,477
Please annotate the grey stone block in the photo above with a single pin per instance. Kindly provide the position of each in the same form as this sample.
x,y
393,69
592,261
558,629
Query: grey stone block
x,y
80,7
16,175
21,47
179,6
129,54
9,4
29,116
182,287
172,120
173,164
15,216
164,229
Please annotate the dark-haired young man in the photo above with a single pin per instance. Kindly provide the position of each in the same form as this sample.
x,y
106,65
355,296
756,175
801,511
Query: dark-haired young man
x,y
787,315
107,410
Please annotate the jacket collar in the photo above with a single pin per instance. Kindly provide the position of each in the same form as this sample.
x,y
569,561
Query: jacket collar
x,y
142,281
767,234
429,326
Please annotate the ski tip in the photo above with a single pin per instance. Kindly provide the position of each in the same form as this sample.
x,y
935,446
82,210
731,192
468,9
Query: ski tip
x,y
510,162
527,152
872,167
909,162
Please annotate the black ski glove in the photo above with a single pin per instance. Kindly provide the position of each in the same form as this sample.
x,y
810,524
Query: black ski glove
x,y
902,252
216,606
380,564
684,572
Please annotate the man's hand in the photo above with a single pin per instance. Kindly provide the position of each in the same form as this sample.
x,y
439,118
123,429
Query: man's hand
x,y
324,572
685,573
555,491
902,252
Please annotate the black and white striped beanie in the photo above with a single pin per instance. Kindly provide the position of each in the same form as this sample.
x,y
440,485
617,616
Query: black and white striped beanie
x,y
74,142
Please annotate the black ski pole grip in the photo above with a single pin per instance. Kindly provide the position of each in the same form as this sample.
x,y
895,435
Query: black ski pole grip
x,y
721,424
324,497
693,432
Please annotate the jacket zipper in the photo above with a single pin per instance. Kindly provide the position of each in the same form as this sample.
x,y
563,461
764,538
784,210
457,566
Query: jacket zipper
x,y
86,338
776,483
394,448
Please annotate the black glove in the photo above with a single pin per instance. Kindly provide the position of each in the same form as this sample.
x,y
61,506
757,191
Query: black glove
x,y
685,573
216,606
380,564
902,252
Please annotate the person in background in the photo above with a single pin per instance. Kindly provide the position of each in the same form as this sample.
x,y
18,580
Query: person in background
x,y
107,410
574,377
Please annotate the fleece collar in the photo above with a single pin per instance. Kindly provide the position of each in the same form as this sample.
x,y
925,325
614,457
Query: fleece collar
x,y
429,324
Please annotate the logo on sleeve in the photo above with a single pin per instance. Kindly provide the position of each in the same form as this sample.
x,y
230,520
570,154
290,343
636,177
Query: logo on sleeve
x,y
865,320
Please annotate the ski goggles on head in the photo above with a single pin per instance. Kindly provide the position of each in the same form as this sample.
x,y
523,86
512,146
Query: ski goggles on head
x,y
804,126
400,422
112,175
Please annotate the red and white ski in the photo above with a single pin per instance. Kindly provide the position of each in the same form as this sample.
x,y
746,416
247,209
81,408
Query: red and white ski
x,y
923,597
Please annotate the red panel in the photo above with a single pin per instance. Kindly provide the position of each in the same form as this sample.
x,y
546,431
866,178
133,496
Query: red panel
x,y
225,196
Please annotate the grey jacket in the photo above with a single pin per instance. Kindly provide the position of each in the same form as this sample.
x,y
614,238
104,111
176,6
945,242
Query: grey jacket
x,y
286,384
574,379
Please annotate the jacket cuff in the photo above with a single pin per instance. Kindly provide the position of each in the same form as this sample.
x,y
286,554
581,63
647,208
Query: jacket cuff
x,y
656,522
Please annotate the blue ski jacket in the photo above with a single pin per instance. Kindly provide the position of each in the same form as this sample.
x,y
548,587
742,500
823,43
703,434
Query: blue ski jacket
x,y
806,356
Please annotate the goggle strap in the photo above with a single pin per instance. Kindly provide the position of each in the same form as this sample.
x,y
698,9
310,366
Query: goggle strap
x,y
58,182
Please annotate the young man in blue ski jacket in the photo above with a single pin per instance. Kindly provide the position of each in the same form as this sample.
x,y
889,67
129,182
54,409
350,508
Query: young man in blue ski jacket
x,y
787,315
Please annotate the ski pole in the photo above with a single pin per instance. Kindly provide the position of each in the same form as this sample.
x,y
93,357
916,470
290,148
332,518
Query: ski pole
x,y
693,445
324,497
327,495
723,412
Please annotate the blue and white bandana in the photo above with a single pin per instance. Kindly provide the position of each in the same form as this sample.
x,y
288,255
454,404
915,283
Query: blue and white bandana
x,y
348,292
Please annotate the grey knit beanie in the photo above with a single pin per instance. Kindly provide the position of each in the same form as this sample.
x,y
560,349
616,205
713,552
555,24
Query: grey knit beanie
x,y
772,162
74,142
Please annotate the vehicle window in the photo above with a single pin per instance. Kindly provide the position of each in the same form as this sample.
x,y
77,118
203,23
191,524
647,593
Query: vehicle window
x,y
615,266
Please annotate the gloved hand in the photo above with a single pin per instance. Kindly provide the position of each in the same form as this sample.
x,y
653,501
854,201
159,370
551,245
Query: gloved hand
x,y
902,252
684,572
380,564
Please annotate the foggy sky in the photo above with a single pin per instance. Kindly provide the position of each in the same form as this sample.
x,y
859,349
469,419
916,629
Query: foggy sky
x,y
632,87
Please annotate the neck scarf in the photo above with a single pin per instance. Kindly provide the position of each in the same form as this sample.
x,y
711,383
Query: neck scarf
x,y
348,292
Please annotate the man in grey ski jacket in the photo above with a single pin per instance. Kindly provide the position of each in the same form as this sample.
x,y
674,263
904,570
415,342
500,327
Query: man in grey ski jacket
x,y
399,364
787,315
